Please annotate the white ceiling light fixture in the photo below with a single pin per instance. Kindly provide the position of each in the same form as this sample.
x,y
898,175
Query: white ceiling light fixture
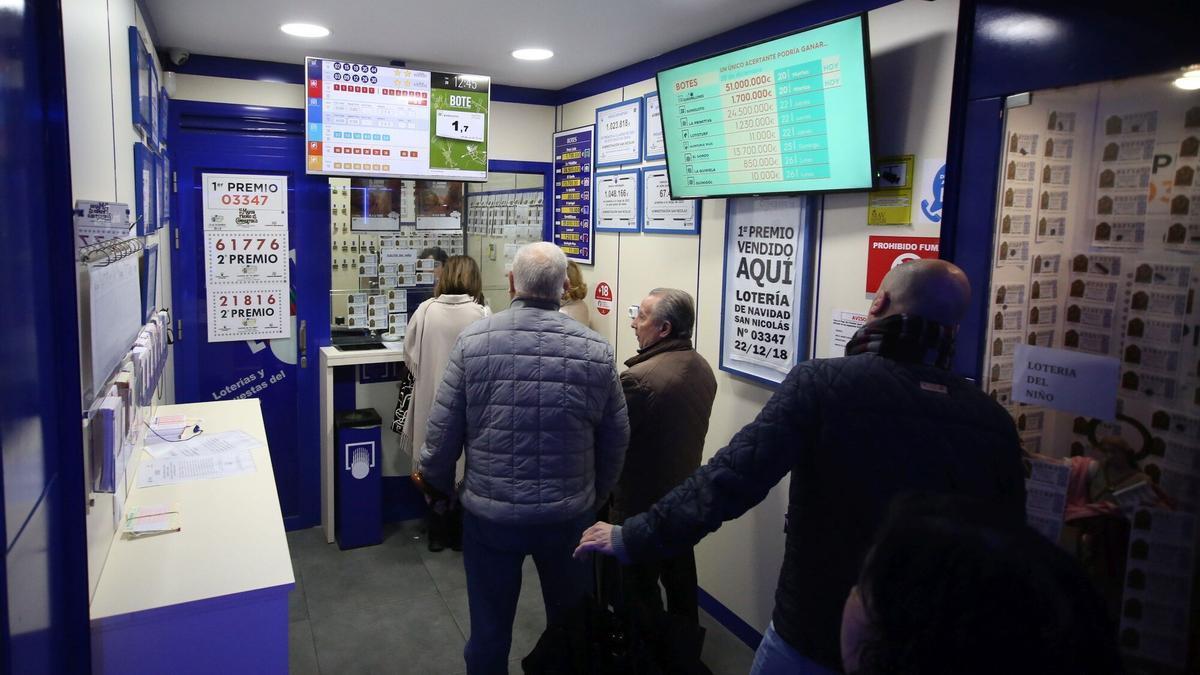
x,y
532,54
1191,78
304,30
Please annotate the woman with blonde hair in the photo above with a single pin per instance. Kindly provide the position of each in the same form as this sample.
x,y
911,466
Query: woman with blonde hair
x,y
433,329
573,304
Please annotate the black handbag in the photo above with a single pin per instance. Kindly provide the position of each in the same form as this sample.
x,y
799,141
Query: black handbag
x,y
403,401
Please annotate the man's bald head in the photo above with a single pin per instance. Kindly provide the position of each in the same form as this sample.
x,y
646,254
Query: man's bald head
x,y
934,289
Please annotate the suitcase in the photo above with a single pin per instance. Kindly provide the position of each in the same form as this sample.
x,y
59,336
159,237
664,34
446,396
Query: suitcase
x,y
605,635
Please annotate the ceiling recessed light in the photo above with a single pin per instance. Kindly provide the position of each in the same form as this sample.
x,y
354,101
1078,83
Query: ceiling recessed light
x,y
1191,78
304,30
532,54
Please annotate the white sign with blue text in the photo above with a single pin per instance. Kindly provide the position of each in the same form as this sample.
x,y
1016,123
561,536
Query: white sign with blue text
x,y
1076,382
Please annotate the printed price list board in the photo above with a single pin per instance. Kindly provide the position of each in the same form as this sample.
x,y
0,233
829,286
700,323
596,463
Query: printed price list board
x,y
573,192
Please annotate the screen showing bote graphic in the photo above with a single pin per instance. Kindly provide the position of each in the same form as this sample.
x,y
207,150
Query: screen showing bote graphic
x,y
368,120
783,116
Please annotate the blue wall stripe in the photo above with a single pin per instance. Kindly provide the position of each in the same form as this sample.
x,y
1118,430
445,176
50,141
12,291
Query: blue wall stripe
x,y
240,69
725,616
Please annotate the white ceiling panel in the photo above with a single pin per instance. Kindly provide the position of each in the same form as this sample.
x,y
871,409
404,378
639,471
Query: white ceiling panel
x,y
588,37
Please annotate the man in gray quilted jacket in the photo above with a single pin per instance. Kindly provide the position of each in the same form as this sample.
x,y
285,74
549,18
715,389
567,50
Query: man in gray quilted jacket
x,y
533,398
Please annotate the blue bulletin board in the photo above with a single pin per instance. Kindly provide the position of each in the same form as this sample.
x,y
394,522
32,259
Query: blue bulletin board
x,y
572,224
140,67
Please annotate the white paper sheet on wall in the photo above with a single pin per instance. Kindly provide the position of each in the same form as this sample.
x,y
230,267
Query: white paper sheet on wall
x,y
115,304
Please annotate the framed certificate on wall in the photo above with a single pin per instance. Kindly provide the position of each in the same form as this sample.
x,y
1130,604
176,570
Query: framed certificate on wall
x,y
660,213
618,201
653,146
619,133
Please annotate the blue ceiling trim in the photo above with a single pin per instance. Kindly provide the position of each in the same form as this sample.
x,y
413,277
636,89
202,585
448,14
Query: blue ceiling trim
x,y
293,73
787,21
506,93
241,69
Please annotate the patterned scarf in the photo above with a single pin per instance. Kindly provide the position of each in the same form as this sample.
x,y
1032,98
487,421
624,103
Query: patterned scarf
x,y
906,337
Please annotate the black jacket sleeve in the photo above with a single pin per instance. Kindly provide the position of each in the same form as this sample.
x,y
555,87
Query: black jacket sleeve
x,y
736,478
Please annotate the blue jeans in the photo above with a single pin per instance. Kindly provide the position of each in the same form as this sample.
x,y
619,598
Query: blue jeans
x,y
492,555
776,657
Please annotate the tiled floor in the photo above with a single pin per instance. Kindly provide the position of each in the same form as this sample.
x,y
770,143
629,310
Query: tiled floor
x,y
397,608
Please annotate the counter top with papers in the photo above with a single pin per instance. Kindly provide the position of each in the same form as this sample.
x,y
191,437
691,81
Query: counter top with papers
x,y
226,572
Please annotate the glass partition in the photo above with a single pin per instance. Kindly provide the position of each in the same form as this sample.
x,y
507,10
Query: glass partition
x,y
1094,277
503,214
381,233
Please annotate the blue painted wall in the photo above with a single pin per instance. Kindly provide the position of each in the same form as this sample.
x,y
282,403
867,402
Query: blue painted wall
x,y
43,582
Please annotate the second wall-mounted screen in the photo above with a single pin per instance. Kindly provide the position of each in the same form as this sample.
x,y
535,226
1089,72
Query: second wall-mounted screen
x,y
787,115
370,120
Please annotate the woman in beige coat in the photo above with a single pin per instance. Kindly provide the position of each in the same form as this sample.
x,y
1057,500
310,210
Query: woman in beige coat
x,y
433,329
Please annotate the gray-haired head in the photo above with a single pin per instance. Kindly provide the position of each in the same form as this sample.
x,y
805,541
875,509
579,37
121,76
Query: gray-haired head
x,y
539,271
677,308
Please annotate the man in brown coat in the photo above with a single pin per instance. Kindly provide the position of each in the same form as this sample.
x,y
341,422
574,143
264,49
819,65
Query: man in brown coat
x,y
669,391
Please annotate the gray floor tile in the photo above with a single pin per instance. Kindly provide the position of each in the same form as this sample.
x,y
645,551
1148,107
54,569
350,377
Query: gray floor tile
x,y
723,652
302,653
528,625
337,580
297,604
416,636
446,568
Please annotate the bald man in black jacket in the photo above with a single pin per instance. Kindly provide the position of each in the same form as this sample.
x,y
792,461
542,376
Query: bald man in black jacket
x,y
854,432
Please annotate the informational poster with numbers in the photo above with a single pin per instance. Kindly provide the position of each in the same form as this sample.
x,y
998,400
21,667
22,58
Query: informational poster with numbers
x,y
244,202
573,165
618,203
248,313
239,258
246,257
619,133
764,251
662,214
653,146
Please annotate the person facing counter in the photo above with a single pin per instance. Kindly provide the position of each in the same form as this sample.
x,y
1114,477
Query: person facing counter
x,y
457,302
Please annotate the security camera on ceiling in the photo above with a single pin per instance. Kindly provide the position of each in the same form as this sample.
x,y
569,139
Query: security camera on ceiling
x,y
179,56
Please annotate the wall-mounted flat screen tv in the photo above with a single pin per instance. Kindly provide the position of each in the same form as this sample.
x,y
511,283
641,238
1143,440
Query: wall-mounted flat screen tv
x,y
369,120
788,115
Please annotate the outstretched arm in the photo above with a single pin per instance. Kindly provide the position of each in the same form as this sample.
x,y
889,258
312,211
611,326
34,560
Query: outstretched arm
x,y
734,480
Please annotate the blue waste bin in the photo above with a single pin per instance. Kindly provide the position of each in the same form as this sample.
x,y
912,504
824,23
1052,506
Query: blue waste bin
x,y
358,492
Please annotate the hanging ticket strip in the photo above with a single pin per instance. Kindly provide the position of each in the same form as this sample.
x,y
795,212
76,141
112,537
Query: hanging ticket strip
x,y
513,216
375,235
1096,254
246,257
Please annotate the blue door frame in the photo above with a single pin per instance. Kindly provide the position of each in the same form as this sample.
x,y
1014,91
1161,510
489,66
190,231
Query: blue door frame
x,y
256,139
43,582
1008,47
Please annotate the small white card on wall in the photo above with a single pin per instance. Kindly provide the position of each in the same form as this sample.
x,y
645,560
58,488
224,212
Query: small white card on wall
x,y
1062,379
